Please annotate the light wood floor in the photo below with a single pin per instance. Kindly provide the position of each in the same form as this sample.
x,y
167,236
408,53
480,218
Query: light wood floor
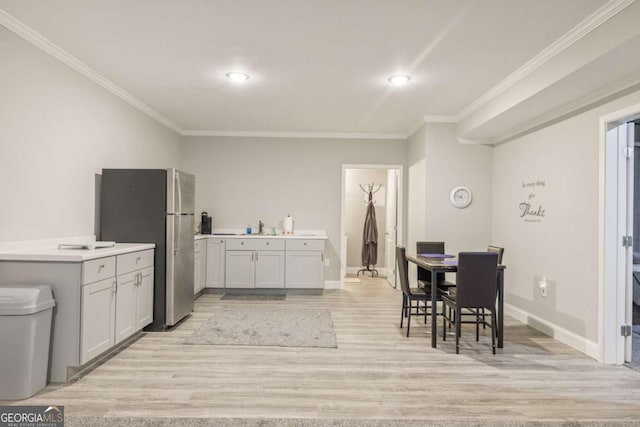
x,y
375,373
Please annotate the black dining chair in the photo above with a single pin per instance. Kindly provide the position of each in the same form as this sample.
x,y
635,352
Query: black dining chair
x,y
476,289
424,275
411,296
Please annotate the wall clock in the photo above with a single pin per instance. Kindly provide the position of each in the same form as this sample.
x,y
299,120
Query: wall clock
x,y
460,197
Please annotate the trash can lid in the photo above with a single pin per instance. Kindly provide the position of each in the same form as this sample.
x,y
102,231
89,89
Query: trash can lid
x,y
16,300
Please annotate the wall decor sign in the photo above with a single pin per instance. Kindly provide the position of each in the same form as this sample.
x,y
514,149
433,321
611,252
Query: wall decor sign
x,y
532,209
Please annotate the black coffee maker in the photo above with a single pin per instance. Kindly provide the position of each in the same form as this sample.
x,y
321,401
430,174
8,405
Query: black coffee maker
x,y
206,226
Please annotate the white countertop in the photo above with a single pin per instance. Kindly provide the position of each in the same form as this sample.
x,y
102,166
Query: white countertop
x,y
72,255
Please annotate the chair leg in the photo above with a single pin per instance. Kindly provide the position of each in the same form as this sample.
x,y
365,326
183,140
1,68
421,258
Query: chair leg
x,y
444,325
409,318
402,313
458,331
494,331
478,325
484,323
425,312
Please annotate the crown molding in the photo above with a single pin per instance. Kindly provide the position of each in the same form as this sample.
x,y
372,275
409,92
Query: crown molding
x,y
440,119
38,40
269,134
592,22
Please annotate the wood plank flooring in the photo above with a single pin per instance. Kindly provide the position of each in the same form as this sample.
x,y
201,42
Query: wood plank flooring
x,y
375,373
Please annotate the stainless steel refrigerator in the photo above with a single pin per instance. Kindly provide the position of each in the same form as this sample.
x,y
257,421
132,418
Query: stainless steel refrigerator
x,y
155,206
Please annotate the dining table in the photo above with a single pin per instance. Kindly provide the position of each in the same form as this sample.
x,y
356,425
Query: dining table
x,y
438,265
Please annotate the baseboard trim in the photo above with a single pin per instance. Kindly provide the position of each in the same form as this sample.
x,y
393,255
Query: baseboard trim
x,y
332,284
590,348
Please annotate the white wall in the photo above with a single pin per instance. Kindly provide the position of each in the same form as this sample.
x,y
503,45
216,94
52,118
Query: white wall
x,y
438,163
243,180
563,246
356,209
57,130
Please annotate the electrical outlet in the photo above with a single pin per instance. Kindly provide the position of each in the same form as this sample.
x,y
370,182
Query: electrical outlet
x,y
327,263
543,287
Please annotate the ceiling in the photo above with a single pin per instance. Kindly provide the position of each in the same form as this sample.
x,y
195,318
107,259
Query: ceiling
x,y
315,66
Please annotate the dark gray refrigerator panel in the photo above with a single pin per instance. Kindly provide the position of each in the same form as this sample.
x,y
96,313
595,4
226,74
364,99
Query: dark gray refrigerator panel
x,y
134,210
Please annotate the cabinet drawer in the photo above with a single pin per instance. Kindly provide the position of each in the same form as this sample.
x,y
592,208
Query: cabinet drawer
x,y
135,261
305,244
98,269
256,244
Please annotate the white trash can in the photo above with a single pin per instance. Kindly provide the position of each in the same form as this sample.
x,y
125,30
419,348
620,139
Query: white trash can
x,y
25,331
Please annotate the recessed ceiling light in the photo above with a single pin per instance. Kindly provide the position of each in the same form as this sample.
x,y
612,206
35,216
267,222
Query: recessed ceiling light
x,y
237,77
399,79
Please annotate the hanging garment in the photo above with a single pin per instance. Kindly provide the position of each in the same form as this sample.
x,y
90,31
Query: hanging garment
x,y
370,237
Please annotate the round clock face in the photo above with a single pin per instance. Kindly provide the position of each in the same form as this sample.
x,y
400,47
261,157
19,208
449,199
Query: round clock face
x,y
460,197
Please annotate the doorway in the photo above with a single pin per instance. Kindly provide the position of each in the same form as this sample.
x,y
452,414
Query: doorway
x,y
620,331
385,181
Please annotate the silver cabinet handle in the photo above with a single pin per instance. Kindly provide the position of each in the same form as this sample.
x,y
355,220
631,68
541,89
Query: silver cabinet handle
x,y
251,256
114,287
100,267
256,256
138,260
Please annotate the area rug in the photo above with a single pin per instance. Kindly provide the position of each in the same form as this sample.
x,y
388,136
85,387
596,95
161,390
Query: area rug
x,y
267,326
253,297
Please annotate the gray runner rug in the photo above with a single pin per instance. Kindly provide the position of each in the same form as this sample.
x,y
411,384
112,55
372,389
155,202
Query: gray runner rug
x,y
267,326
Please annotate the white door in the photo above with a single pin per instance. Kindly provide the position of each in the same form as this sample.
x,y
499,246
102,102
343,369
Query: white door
x,y
125,306
305,269
98,312
391,230
197,264
215,264
619,142
239,269
144,299
269,269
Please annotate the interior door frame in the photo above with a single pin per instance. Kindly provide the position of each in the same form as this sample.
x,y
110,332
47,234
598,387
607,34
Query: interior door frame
x,y
343,210
615,305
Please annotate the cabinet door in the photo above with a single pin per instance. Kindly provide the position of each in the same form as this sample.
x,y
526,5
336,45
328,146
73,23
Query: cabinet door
x,y
239,269
197,272
304,269
144,299
215,265
269,267
203,267
125,306
98,316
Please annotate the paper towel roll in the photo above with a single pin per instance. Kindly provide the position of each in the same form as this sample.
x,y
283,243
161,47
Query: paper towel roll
x,y
287,225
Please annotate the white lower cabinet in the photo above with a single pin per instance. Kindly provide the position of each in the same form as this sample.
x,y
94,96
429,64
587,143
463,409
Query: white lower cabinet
x,y
254,263
240,272
144,299
125,306
305,263
199,265
264,262
98,318
305,269
115,308
269,269
215,263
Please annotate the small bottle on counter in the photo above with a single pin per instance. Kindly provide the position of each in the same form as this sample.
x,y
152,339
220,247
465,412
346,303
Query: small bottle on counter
x,y
248,229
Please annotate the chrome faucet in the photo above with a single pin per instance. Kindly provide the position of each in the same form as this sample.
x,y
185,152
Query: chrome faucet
x,y
260,227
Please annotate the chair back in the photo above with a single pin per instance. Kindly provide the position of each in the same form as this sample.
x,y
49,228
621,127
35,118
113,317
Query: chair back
x,y
403,270
498,250
428,248
477,279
